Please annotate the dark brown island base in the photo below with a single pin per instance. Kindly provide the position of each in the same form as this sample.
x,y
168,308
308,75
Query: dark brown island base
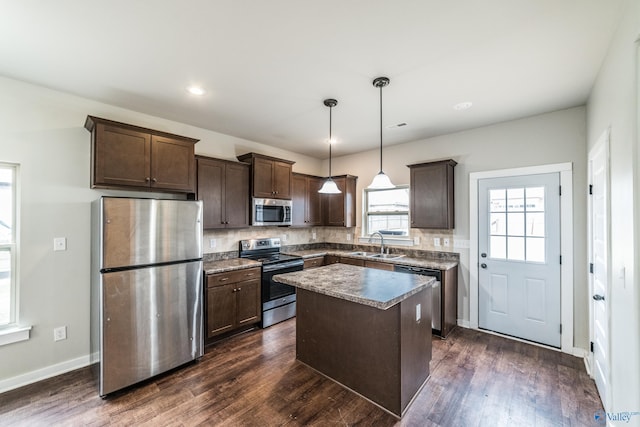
x,y
367,329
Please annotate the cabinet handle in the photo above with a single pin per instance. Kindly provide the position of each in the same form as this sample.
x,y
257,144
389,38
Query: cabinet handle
x,y
235,290
239,289
224,279
154,180
147,179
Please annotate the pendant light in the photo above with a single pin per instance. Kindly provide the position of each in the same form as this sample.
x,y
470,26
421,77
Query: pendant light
x,y
329,186
381,181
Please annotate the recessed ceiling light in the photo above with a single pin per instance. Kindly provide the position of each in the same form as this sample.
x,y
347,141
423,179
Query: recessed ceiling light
x,y
196,90
462,106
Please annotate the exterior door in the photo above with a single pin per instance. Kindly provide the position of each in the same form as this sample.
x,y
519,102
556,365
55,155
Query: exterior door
x,y
519,264
599,263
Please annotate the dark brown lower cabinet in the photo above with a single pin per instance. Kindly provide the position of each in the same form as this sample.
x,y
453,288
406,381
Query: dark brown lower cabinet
x,y
313,262
232,301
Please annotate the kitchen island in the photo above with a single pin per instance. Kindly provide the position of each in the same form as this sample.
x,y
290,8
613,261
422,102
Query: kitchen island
x,y
367,329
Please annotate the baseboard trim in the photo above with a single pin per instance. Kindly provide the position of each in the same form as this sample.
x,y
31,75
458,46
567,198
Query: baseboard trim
x,y
464,323
44,373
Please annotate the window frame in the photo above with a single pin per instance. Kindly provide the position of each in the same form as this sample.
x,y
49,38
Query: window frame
x,y
365,213
12,248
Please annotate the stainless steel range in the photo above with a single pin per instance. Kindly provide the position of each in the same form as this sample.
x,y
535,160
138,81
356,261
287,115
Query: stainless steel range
x,y
278,300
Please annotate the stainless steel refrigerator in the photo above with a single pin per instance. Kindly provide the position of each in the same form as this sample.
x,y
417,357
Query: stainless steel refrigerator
x,y
146,290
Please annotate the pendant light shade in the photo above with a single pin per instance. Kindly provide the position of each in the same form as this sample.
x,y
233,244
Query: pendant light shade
x,y
329,186
381,181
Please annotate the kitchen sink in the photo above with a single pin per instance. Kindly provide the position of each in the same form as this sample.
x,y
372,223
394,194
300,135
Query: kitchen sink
x,y
386,256
360,253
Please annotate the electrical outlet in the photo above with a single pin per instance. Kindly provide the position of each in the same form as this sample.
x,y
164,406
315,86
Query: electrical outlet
x,y
60,333
212,243
445,241
284,237
313,235
436,241
416,240
348,237
60,244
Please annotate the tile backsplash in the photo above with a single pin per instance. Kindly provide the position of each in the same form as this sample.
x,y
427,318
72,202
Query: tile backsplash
x,y
224,243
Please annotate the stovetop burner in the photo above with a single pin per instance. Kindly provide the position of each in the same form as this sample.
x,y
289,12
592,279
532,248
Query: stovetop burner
x,y
266,251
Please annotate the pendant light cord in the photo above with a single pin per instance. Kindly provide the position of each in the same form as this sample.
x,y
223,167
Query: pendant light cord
x,y
330,141
381,128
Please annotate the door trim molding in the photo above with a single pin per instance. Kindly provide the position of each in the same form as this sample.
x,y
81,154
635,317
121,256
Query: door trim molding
x,y
566,242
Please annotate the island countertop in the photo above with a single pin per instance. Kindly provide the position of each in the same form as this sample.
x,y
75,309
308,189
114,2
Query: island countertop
x,y
376,288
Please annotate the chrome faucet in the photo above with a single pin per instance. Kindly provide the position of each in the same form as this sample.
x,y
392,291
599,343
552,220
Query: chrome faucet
x,y
381,240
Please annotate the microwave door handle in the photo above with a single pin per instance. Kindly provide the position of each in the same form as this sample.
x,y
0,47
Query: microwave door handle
x,y
284,215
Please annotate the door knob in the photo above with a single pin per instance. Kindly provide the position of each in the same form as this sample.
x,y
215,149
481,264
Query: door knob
x,y
483,255
483,265
598,297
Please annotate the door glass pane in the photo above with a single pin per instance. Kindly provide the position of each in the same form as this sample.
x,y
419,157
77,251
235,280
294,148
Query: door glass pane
x,y
498,224
516,224
515,199
497,201
535,249
535,199
535,224
515,248
5,286
498,247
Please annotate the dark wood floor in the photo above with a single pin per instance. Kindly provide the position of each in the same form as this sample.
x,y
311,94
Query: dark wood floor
x,y
254,380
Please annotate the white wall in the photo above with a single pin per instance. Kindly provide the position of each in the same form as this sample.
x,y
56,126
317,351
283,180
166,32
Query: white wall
x,y
555,137
613,103
42,130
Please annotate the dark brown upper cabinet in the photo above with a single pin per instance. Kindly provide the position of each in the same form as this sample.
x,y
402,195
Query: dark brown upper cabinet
x,y
223,187
432,196
124,156
270,177
340,209
307,205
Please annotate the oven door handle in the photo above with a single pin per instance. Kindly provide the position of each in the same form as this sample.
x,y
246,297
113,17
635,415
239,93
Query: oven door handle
x,y
281,266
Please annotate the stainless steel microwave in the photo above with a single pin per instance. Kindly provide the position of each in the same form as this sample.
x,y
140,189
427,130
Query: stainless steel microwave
x,y
271,212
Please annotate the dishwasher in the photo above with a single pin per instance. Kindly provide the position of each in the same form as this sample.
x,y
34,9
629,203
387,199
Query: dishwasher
x,y
436,313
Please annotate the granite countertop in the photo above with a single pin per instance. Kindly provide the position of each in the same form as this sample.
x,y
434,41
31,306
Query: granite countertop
x,y
376,288
212,267
437,264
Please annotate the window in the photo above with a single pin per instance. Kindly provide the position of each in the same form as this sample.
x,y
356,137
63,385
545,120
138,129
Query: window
x,y
7,243
387,211
517,224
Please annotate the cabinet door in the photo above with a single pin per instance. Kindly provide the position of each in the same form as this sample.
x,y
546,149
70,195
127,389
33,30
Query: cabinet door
x,y
210,191
236,195
262,177
331,259
313,206
352,261
221,310
248,305
313,262
281,180
334,213
172,164
299,200
431,190
122,157
379,265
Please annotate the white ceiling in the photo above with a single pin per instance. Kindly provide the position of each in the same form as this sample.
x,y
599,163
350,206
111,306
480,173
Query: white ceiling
x,y
268,65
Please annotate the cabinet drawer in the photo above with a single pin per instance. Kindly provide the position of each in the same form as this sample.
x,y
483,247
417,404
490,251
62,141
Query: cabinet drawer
x,y
313,262
235,276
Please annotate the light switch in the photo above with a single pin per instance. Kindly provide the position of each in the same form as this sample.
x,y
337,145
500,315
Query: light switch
x,y
60,244
212,243
436,241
